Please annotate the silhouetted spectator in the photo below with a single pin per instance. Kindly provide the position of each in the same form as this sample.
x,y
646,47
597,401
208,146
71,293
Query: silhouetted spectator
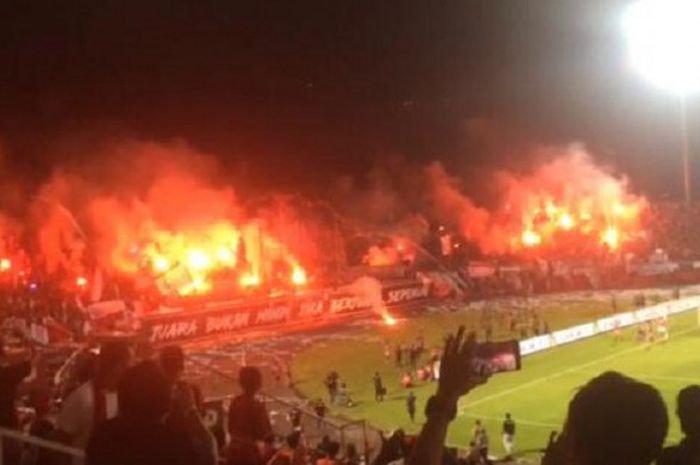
x,y
352,457
480,437
138,435
615,420
324,446
293,452
96,400
294,417
688,410
248,422
186,406
11,375
329,457
473,455
42,426
172,362
320,411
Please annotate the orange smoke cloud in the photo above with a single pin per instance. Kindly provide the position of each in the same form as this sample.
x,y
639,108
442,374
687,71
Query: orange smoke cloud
x,y
566,202
398,250
176,226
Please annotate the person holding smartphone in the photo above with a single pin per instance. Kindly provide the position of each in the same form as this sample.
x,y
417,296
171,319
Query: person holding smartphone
x,y
457,378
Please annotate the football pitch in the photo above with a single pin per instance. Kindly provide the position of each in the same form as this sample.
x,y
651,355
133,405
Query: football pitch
x,y
537,396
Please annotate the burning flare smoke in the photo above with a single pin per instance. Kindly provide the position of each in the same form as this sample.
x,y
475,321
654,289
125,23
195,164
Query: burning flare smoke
x,y
568,203
177,229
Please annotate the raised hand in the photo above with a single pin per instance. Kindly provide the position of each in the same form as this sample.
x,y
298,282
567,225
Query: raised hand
x,y
456,375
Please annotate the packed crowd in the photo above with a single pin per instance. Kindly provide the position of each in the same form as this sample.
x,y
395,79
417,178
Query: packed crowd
x,y
126,407
123,411
672,227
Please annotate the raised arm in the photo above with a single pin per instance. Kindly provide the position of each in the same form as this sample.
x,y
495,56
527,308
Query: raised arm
x,y
456,379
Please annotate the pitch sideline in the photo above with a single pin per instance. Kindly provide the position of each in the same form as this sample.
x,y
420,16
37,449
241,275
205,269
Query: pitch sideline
x,y
558,374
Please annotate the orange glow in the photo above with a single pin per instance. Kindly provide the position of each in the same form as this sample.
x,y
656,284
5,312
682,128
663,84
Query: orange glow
x,y
5,264
566,221
161,264
611,238
398,250
81,281
568,194
184,262
249,280
299,277
530,238
226,256
198,260
389,320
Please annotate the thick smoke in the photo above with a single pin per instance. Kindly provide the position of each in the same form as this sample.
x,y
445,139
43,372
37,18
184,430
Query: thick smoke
x,y
105,212
166,207
567,193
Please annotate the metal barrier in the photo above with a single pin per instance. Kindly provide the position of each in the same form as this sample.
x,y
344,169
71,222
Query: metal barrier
x,y
344,432
7,436
313,426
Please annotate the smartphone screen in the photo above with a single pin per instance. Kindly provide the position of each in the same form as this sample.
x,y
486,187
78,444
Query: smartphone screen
x,y
496,357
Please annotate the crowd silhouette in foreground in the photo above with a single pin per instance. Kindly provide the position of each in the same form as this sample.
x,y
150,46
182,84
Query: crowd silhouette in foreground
x,y
146,413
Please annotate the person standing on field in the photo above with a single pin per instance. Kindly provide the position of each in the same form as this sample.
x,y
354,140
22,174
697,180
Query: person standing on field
x,y
379,390
411,406
508,436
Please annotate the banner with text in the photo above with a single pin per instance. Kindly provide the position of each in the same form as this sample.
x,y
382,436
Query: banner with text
x,y
216,319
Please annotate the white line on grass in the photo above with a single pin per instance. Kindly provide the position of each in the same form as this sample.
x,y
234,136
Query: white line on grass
x,y
558,374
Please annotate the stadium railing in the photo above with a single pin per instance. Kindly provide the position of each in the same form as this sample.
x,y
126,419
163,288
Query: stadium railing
x,y
9,436
342,431
313,426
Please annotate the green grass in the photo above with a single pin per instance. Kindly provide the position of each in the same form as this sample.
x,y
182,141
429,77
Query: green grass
x,y
537,396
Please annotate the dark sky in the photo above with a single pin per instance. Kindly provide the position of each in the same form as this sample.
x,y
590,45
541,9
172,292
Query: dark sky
x,y
289,92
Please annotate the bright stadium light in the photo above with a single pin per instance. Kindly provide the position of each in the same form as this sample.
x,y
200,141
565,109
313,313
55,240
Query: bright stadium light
x,y
663,38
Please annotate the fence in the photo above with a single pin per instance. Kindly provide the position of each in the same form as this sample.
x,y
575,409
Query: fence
x,y
9,437
344,432
313,426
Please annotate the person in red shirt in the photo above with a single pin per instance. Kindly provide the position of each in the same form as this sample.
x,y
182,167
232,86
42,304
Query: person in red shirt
x,y
248,422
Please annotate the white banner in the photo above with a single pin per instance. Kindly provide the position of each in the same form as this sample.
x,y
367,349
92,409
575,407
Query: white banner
x,y
603,325
575,333
535,344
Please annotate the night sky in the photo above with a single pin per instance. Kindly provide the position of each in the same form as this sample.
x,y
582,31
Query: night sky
x,y
290,94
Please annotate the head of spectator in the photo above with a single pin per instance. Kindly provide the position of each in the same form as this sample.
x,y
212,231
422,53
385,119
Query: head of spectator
x,y
688,410
172,362
333,449
143,393
115,357
325,443
351,452
250,380
614,419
